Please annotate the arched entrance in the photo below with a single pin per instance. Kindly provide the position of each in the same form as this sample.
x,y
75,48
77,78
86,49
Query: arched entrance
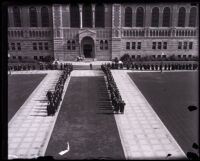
x,y
87,46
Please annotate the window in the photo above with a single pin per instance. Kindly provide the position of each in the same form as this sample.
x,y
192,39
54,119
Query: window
x,y
40,46
34,46
179,45
133,45
99,15
13,46
154,45
74,15
16,17
127,45
41,57
18,46
159,45
106,45
45,17
139,45
35,57
155,17
46,46
139,17
68,45
101,45
19,57
185,45
73,45
158,56
87,15
166,17
14,57
190,45
128,17
193,15
181,17
164,45
33,17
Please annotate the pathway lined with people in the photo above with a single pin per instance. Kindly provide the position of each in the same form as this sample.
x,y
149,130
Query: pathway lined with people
x,y
142,133
30,129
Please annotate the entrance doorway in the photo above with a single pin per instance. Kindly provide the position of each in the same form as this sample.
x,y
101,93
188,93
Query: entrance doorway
x,y
87,50
87,45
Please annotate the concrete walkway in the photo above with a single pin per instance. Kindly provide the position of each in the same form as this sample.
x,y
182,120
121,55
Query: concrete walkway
x,y
30,129
142,133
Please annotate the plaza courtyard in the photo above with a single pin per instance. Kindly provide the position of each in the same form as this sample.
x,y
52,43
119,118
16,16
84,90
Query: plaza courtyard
x,y
156,123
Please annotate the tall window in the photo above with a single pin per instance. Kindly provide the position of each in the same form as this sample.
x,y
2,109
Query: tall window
x,y
164,45
181,17
154,45
40,46
74,15
106,45
127,45
46,46
166,17
73,45
159,45
101,45
34,46
155,17
68,45
99,15
133,45
179,45
139,45
193,15
190,45
33,17
185,45
45,17
18,46
128,17
87,15
140,17
16,16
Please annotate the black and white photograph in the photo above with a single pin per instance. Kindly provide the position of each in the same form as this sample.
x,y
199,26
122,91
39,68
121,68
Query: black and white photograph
x,y
101,80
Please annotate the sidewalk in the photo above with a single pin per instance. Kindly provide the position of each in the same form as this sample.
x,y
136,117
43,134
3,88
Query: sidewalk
x,y
142,133
30,129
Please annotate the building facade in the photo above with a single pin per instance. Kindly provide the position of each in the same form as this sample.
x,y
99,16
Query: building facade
x,y
102,31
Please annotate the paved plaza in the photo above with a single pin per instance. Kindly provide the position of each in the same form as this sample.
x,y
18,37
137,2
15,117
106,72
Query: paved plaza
x,y
142,133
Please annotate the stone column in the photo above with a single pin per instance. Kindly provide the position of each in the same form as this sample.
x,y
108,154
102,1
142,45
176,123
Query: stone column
x,y
81,13
93,15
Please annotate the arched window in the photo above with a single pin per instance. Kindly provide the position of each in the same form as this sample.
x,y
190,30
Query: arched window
x,y
106,45
16,16
101,45
74,15
33,16
181,17
193,15
155,17
140,17
73,45
166,17
99,15
87,15
45,17
128,17
68,45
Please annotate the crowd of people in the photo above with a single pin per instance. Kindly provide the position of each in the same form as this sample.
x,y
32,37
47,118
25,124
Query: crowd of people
x,y
54,97
18,67
158,66
117,102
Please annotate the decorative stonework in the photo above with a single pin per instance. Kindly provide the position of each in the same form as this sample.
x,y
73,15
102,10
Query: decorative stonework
x,y
85,33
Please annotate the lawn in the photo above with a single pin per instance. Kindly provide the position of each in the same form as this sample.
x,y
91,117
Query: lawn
x,y
170,94
86,121
20,86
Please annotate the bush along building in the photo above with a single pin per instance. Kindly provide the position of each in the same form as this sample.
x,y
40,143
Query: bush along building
x,y
102,31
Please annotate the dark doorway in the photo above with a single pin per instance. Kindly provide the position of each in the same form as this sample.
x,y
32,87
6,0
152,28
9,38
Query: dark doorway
x,y
87,50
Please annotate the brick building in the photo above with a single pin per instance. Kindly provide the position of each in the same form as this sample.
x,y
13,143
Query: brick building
x,y
102,31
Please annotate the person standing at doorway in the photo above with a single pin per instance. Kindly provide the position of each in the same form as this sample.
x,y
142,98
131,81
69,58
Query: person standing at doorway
x,y
90,66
